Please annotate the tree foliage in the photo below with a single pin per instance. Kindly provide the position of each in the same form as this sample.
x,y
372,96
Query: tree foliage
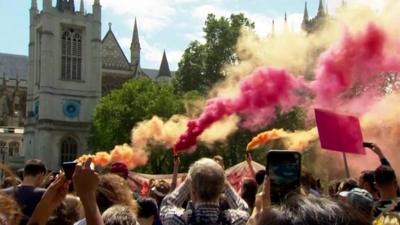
x,y
201,64
138,100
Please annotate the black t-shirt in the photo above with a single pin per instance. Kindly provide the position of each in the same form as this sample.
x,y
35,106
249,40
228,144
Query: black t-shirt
x,y
27,197
386,206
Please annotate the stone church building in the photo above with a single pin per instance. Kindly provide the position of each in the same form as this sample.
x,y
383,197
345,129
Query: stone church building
x,y
47,98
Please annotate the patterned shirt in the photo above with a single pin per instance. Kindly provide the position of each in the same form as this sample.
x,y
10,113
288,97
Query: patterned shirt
x,y
172,212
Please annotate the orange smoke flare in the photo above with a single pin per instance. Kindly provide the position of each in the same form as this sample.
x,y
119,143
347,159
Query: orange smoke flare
x,y
265,137
125,154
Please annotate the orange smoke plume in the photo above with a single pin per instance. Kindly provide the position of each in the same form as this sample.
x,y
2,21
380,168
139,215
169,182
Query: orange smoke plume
x,y
297,140
265,137
125,154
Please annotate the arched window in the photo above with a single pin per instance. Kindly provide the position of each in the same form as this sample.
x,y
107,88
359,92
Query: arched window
x,y
69,149
3,147
71,60
13,148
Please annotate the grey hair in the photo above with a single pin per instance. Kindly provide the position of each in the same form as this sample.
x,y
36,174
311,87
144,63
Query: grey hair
x,y
207,179
119,215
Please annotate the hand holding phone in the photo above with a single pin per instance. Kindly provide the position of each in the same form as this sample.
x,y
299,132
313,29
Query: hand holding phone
x,y
284,171
69,168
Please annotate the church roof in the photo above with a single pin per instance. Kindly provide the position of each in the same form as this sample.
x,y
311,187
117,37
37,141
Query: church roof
x,y
164,67
112,55
14,66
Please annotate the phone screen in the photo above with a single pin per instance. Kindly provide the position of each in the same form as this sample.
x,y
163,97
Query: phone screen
x,y
69,168
283,169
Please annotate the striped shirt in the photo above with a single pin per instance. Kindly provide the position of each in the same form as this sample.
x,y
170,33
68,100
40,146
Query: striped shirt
x,y
172,213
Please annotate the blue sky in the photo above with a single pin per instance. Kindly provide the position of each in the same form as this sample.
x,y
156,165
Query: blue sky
x,y
163,24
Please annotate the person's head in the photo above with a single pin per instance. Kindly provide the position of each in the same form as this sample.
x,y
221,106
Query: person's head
x,y
220,160
367,181
207,179
248,191
360,200
35,171
391,218
119,215
148,211
386,182
303,210
113,190
333,188
347,185
120,169
10,212
69,212
159,190
260,175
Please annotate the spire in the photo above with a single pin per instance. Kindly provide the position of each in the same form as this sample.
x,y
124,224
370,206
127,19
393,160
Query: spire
x,y
164,67
96,2
321,10
71,5
273,28
34,5
109,26
286,26
305,16
60,5
135,35
285,17
82,7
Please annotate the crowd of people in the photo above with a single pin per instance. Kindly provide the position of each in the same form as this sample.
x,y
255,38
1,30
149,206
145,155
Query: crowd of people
x,y
38,197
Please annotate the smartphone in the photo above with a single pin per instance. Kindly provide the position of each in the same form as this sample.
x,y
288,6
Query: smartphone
x,y
368,145
284,171
69,168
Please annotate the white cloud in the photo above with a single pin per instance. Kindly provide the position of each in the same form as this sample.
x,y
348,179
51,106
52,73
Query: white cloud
x,y
202,11
154,15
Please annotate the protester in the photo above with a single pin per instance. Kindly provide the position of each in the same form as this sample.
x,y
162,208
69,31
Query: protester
x,y
148,211
303,210
205,182
29,193
113,190
333,188
248,192
367,181
70,211
119,215
386,183
10,182
220,160
159,190
360,200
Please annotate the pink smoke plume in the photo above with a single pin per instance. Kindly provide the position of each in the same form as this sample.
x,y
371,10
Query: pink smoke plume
x,y
259,92
354,60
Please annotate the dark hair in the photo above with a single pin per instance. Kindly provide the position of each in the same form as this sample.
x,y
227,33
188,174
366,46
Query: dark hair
x,y
385,175
260,175
348,184
248,192
34,167
303,210
147,208
368,176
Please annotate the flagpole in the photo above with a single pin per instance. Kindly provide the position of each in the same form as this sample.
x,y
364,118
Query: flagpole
x,y
346,165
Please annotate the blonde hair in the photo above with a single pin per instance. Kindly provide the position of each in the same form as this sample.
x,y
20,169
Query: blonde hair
x,y
10,212
391,218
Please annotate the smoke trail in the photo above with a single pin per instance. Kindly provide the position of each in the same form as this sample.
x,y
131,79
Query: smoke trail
x,y
167,133
297,140
260,92
131,157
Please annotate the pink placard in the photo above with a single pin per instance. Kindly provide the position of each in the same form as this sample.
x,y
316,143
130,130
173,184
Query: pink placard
x,y
339,132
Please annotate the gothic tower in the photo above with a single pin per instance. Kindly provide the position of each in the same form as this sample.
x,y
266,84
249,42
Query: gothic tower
x,y
64,80
135,50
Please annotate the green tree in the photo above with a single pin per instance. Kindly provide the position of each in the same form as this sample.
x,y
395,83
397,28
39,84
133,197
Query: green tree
x,y
201,64
118,112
